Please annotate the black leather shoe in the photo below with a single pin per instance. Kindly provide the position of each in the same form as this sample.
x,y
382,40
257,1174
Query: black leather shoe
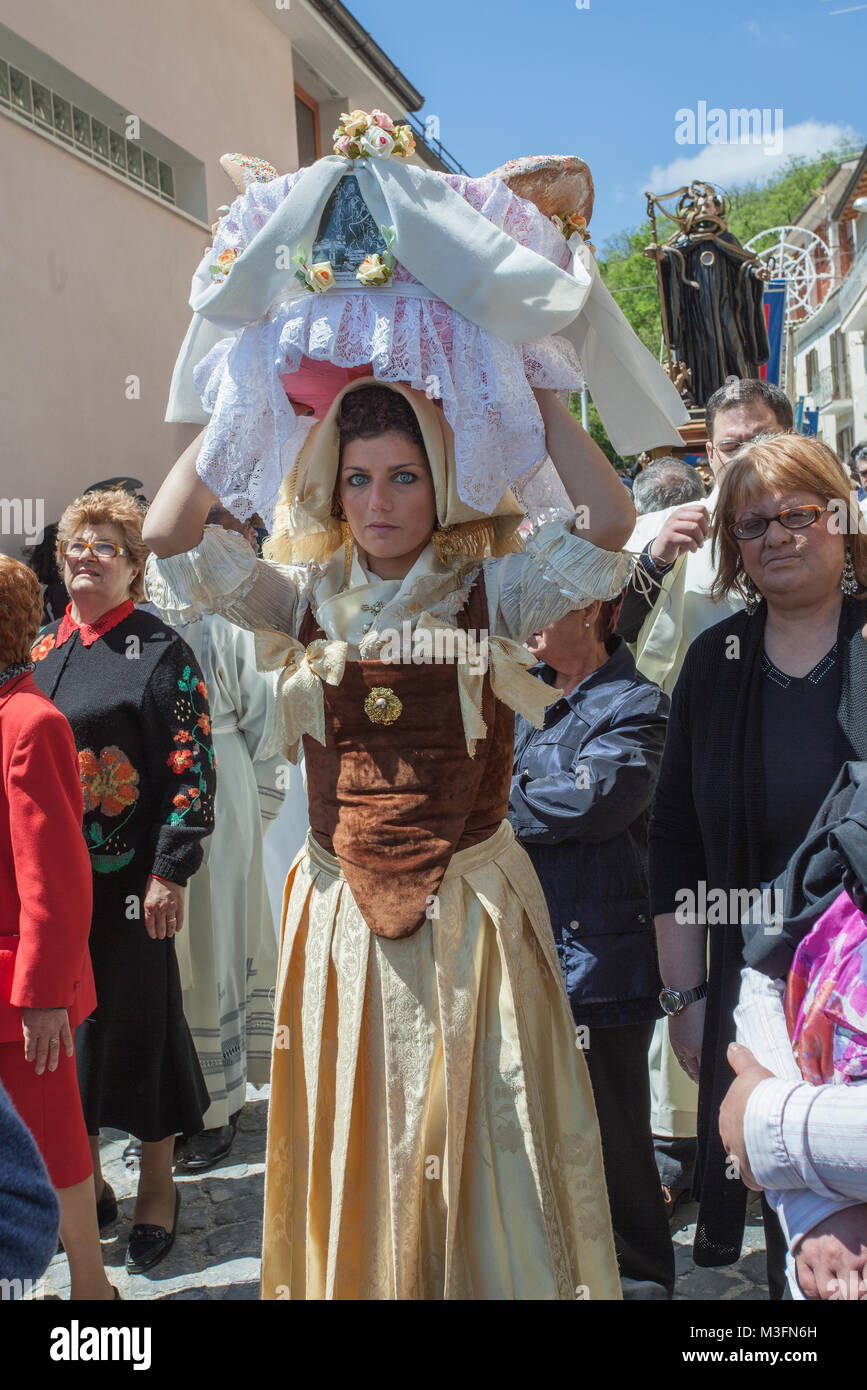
x,y
132,1153
205,1150
106,1208
150,1244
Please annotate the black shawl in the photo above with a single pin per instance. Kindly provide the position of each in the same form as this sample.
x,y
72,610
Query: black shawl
x,y
707,826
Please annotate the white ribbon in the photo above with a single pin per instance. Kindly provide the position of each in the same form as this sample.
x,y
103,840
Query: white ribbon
x,y
445,243
300,673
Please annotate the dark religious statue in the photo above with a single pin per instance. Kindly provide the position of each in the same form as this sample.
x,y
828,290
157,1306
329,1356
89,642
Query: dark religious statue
x,y
347,232
711,293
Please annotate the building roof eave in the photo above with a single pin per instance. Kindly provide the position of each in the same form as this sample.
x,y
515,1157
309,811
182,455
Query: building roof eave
x,y
360,41
849,191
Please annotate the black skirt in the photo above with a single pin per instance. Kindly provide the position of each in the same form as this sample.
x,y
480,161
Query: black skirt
x,y
137,1066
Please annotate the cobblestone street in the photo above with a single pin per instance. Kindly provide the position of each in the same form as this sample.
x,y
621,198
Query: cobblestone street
x,y
216,1254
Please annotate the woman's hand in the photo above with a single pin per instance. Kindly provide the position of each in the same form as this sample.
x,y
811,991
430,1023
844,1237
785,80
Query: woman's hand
x,y
44,1031
733,1109
831,1259
686,529
163,908
685,1032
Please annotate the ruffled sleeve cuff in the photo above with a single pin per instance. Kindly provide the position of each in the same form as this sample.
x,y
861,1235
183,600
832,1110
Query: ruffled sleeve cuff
x,y
556,573
218,572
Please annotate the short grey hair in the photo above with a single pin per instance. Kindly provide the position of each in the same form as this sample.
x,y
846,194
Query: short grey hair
x,y
666,482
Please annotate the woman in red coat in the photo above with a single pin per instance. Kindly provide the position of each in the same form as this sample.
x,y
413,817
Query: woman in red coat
x,y
46,983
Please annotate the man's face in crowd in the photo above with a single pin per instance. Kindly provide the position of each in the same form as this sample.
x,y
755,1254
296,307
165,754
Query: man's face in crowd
x,y
735,425
862,470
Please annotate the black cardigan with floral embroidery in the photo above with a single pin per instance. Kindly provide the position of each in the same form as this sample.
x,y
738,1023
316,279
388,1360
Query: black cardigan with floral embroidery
x,y
138,707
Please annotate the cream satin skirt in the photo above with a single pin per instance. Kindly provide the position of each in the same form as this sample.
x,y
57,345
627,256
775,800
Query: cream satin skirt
x,y
432,1132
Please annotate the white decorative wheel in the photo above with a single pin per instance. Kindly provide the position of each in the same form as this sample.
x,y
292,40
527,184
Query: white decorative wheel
x,y
802,259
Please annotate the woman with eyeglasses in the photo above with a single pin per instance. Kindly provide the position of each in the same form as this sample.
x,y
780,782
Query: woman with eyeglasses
x,y
769,705
135,698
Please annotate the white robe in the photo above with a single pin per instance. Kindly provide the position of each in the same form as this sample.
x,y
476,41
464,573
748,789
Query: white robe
x,y
227,953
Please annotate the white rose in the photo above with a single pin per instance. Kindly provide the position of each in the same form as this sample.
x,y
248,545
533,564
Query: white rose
x,y
376,142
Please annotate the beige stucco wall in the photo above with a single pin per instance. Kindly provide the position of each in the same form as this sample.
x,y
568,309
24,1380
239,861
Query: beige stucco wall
x,y
95,275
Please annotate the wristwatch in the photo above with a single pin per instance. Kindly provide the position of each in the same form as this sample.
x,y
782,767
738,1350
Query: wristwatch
x,y
674,1001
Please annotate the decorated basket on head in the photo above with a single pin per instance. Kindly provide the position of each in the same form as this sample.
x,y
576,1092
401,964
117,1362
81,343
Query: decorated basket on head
x,y
471,290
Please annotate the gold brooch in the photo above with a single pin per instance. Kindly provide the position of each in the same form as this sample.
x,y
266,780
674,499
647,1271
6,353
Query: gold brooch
x,y
382,705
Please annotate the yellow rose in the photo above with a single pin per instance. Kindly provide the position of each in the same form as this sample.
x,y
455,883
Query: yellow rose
x,y
372,271
404,141
354,123
320,277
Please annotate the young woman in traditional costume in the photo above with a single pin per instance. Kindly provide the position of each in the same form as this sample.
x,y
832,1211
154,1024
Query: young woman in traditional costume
x,y
432,1131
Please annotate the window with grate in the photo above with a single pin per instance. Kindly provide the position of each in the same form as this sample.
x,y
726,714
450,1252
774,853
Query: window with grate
x,y
51,113
307,127
812,366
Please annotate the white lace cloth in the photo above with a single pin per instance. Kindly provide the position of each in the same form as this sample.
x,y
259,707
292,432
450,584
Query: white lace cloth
x,y
367,618
557,573
486,385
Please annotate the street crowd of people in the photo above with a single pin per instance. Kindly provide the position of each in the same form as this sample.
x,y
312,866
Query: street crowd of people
x,y
624,801
576,929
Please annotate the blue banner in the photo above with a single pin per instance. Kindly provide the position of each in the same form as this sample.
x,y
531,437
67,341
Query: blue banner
x,y
775,314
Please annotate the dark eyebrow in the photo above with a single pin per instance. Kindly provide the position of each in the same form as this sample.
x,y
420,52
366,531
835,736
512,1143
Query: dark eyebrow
x,y
393,468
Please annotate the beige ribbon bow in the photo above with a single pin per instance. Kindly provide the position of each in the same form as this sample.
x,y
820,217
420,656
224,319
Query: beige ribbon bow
x,y
300,673
508,663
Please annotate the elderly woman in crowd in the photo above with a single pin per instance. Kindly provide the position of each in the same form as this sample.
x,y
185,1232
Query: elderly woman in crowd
x,y
579,804
137,704
46,983
769,705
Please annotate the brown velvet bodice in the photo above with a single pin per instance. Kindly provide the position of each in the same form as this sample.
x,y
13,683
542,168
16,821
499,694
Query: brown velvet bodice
x,y
393,802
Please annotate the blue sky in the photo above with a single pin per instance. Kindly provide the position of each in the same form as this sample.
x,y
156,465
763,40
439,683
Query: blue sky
x,y
607,82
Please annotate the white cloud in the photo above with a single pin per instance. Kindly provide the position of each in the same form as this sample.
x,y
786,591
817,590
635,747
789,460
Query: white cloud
x,y
732,164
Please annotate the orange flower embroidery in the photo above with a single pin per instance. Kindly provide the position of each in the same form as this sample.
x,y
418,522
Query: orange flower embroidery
x,y
41,650
193,792
180,760
182,802
109,782
183,736
204,723
202,689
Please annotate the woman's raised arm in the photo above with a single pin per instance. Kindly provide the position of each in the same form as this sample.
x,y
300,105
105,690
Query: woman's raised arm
x,y
176,517
587,476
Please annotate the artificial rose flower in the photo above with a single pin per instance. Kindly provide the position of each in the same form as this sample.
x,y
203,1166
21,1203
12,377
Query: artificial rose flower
x,y
372,271
354,123
404,141
376,142
382,120
224,263
319,277
342,145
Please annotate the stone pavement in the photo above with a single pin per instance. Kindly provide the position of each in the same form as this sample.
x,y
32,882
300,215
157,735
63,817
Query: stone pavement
x,y
744,1281
216,1254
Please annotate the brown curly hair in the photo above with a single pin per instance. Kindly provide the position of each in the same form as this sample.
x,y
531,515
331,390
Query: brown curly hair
x,y
20,610
115,509
783,463
374,410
